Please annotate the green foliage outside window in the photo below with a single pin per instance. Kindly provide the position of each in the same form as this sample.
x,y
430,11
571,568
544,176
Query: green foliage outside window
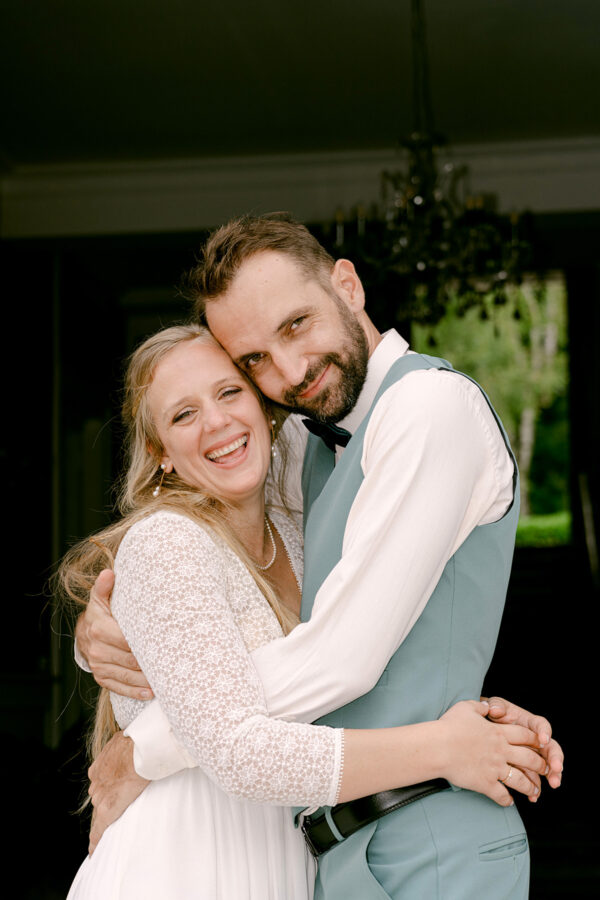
x,y
518,352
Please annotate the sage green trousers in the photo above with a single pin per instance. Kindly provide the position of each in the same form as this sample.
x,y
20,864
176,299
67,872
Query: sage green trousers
x,y
453,845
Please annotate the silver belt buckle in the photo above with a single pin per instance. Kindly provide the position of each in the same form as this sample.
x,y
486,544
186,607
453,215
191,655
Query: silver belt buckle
x,y
309,843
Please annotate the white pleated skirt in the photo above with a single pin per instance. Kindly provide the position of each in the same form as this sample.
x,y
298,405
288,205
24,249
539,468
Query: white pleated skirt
x,y
184,839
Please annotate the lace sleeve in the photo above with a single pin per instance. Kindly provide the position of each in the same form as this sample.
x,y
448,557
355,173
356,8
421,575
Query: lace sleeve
x,y
171,602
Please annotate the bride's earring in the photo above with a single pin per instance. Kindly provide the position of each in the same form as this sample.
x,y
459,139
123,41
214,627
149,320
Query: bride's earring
x,y
273,423
156,490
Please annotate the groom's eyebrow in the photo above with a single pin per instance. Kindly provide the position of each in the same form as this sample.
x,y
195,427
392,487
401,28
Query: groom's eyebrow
x,y
292,316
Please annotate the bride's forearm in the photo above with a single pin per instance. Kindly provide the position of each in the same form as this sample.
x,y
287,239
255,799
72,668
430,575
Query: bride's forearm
x,y
462,746
380,759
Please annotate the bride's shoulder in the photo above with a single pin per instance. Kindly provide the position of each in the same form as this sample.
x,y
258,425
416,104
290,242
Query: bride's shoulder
x,y
166,527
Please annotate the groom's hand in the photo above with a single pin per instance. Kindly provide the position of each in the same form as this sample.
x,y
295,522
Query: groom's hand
x,y
114,784
101,642
507,713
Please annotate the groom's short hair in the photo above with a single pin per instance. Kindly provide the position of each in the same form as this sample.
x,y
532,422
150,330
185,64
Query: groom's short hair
x,y
232,244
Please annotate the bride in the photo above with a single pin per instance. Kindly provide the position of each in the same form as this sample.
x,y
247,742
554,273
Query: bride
x,y
204,575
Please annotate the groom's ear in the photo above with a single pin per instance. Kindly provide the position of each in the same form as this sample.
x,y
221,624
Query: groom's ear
x,y
347,285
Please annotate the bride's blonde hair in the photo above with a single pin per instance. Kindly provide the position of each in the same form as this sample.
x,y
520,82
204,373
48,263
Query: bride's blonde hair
x,y
136,499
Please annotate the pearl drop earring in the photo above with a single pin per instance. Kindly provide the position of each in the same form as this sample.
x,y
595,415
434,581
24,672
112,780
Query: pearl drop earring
x,y
273,439
156,490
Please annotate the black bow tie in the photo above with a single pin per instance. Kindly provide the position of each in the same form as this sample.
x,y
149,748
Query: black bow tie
x,y
330,434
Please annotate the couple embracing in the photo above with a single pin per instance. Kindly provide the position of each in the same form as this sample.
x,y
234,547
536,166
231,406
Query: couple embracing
x,y
350,692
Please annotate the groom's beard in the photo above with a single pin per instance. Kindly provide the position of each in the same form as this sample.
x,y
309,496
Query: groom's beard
x,y
338,397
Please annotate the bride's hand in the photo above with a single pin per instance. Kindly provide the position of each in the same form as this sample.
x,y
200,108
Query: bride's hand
x,y
507,713
489,758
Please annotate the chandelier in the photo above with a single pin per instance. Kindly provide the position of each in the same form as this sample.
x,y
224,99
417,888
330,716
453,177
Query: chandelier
x,y
429,240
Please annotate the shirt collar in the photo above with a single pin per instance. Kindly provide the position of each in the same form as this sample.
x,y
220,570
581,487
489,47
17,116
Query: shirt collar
x,y
391,347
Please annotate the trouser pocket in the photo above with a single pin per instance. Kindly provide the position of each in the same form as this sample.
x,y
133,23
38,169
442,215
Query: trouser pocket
x,y
513,845
344,872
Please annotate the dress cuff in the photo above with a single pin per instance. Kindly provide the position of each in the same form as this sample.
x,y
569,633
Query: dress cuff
x,y
339,766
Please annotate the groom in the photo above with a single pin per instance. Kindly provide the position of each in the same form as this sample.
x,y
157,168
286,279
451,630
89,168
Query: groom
x,y
408,547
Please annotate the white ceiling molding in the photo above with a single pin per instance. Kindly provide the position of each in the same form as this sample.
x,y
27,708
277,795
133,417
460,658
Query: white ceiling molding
x,y
184,195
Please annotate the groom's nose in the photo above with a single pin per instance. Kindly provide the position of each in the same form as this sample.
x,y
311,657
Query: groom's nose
x,y
291,367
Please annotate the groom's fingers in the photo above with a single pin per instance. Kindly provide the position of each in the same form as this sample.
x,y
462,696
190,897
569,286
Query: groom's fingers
x,y
102,643
536,780
124,681
502,710
102,656
521,783
111,803
117,670
96,627
526,759
554,756
93,842
102,588
114,761
98,827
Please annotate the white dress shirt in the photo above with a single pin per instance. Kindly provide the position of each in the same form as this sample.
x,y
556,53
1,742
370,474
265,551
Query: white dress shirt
x,y
435,466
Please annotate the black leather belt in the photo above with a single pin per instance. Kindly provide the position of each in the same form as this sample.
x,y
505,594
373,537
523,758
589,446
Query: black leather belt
x,y
349,817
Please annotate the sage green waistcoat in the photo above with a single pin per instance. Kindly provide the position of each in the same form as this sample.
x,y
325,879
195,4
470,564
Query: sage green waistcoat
x,y
447,653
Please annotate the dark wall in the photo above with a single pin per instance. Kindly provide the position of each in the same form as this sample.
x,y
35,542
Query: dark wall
x,y
73,311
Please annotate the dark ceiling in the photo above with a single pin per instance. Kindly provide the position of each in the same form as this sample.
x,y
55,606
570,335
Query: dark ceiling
x,y
122,79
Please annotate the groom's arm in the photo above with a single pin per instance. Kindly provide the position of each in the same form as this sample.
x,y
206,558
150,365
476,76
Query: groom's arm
x,y
435,466
100,647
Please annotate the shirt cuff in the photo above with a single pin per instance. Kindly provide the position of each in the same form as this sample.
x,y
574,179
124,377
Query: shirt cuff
x,y
80,658
156,751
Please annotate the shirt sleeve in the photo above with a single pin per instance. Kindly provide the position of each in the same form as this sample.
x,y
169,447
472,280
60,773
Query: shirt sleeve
x,y
170,600
435,465
80,658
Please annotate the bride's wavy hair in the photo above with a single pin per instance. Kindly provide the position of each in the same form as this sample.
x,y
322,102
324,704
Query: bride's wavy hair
x,y
136,499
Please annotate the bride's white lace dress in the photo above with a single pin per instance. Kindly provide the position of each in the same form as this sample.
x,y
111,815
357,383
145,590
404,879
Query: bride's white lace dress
x,y
192,614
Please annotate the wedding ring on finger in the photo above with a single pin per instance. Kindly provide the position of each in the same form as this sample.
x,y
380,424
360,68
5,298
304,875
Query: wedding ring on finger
x,y
508,777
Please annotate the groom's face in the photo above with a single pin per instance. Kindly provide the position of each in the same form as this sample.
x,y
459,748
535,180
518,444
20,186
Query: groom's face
x,y
300,342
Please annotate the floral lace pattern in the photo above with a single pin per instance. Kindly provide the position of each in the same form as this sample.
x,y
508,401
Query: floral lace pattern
x,y
192,613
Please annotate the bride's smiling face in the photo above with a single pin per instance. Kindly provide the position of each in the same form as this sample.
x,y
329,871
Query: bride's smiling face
x,y
212,428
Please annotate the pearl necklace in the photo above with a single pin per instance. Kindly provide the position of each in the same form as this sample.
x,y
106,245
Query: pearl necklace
x,y
273,545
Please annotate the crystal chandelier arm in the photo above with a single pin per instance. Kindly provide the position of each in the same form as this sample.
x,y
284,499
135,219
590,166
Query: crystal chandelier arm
x,y
422,105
